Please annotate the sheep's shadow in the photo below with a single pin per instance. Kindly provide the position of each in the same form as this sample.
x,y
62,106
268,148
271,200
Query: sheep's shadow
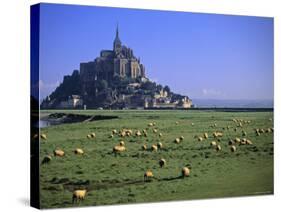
x,y
106,184
170,178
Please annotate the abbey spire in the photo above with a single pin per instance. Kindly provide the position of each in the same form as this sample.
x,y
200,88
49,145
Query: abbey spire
x,y
117,45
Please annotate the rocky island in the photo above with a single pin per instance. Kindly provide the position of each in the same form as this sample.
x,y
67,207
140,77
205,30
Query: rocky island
x,y
114,80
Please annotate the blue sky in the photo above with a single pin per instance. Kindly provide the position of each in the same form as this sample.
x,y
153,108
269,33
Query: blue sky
x,y
204,56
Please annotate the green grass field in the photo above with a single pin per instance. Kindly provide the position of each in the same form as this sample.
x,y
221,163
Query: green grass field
x,y
111,179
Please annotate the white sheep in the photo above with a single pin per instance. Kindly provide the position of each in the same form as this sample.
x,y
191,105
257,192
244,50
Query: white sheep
x,y
185,172
206,135
154,148
46,159
159,145
78,151
58,153
78,195
43,136
162,162
213,143
177,141
233,148
218,148
148,175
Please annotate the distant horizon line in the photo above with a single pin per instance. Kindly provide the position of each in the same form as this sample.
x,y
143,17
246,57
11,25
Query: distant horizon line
x,y
216,99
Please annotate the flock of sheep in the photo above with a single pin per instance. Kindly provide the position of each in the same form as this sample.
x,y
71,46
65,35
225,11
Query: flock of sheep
x,y
118,149
79,195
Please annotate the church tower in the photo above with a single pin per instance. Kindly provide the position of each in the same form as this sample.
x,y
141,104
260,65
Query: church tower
x,y
117,42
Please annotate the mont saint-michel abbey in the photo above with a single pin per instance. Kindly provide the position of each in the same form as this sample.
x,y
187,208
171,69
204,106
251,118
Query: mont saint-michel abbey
x,y
117,62
114,80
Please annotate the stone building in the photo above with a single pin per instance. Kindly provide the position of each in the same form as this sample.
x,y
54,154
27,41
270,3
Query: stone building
x,y
109,82
120,62
73,101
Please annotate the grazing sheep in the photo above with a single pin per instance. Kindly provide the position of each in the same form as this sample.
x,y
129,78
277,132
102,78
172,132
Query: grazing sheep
x,y
261,131
155,130
89,136
162,162
93,135
148,175
144,147
159,145
213,143
58,153
181,138
150,124
200,139
43,136
231,142
160,135
138,133
78,195
118,149
78,151
217,134
206,135
192,124
122,134
114,131
154,123
249,142
185,172
244,133
268,130
237,140
228,127
145,134
177,122
111,136
258,134
243,141
122,143
233,148
177,141
154,148
218,148
46,159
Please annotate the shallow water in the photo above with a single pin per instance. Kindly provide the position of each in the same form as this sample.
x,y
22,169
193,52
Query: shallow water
x,y
44,123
